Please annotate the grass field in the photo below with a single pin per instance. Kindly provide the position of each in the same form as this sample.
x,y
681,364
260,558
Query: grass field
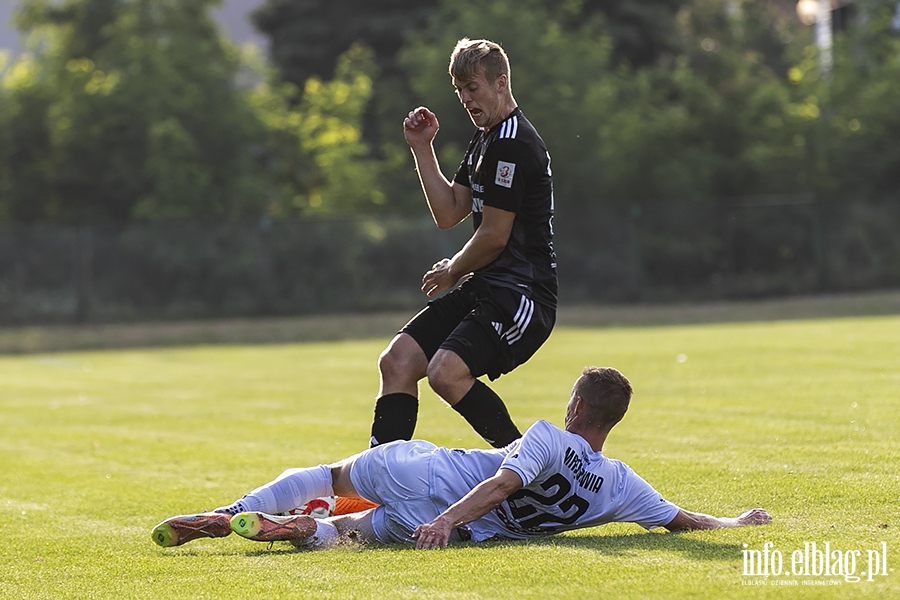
x,y
800,417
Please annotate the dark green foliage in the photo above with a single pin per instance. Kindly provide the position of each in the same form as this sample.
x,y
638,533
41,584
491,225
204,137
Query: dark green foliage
x,y
281,266
307,36
641,31
675,128
179,270
860,131
127,110
134,111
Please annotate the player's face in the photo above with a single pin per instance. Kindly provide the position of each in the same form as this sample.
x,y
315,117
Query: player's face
x,y
482,100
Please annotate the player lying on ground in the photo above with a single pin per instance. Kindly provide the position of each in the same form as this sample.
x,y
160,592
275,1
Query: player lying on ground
x,y
546,482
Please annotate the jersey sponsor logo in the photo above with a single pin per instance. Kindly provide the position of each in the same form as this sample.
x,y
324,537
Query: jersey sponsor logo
x,y
498,327
505,172
587,480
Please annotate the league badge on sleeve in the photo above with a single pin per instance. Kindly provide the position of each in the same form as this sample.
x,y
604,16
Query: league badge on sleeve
x,y
505,172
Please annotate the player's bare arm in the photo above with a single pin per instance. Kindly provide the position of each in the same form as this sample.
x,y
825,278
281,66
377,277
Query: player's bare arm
x,y
483,247
483,497
686,520
449,202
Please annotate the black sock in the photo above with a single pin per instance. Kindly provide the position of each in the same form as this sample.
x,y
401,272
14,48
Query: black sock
x,y
395,418
486,413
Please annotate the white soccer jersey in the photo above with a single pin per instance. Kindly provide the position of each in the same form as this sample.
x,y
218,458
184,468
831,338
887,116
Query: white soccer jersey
x,y
566,486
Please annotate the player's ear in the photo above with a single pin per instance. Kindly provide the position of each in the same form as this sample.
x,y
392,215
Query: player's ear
x,y
579,405
502,82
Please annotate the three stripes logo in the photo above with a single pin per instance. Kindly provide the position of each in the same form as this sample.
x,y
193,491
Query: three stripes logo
x,y
520,321
509,128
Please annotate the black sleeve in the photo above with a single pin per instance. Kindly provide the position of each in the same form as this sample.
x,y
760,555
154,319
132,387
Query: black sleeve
x,y
506,167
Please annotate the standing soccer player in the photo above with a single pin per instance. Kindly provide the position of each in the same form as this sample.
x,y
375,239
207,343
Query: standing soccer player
x,y
506,306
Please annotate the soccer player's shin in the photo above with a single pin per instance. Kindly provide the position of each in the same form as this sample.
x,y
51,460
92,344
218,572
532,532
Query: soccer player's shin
x,y
395,418
486,413
291,489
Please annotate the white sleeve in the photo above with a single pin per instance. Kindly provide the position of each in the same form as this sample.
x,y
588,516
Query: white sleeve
x,y
537,450
642,504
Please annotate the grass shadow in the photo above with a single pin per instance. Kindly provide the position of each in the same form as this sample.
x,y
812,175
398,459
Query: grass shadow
x,y
612,545
625,544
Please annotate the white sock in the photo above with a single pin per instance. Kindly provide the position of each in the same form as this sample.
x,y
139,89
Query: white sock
x,y
293,488
326,536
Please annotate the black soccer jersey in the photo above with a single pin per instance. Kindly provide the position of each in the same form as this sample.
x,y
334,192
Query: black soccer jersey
x,y
508,167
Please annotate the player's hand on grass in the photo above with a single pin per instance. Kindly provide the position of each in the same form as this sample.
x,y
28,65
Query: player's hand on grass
x,y
420,126
755,516
432,535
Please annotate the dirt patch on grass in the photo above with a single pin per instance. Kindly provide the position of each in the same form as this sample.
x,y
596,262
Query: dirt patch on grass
x,y
22,340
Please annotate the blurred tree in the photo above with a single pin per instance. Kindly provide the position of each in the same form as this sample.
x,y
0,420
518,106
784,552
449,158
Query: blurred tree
x,y
307,36
862,123
641,30
736,128
152,124
127,109
717,119
131,109
314,146
554,69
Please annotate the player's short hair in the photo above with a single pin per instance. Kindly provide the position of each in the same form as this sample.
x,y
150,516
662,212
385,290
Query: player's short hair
x,y
471,58
606,394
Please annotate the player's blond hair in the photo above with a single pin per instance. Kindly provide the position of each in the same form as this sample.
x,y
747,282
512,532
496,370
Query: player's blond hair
x,y
606,394
471,58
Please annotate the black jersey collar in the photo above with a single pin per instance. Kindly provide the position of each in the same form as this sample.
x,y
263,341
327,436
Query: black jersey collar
x,y
515,113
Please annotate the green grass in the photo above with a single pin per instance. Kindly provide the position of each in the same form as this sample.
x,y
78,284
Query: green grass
x,y
800,417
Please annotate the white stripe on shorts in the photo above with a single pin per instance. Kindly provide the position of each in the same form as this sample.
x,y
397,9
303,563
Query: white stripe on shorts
x,y
520,321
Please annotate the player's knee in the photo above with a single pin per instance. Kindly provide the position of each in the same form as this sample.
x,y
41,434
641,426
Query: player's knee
x,y
395,364
389,363
438,381
445,379
288,473
340,478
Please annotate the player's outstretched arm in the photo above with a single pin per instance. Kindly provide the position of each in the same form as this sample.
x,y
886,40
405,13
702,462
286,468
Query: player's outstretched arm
x,y
483,497
686,520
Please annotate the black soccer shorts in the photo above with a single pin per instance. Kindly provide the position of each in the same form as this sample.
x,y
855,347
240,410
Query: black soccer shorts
x,y
492,329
